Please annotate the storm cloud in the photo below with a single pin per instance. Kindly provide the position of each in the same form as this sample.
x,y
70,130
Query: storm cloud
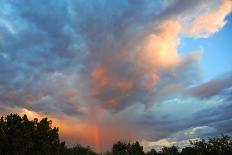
x,y
106,63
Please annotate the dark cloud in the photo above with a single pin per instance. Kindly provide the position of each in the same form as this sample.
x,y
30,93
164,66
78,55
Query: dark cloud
x,y
212,87
219,118
73,58
65,37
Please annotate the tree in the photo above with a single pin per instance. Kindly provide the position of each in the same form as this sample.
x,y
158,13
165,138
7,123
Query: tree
x,y
213,146
173,150
188,151
18,135
135,149
21,136
120,148
152,152
80,150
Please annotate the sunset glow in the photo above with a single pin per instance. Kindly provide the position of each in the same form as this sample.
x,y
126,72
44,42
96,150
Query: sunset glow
x,y
159,72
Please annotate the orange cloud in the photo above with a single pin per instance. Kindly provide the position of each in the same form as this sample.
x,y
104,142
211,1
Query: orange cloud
x,y
100,77
71,92
123,85
90,132
152,81
113,103
102,83
160,50
210,22
71,130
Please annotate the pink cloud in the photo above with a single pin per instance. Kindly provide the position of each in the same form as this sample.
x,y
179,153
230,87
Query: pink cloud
x,y
160,49
210,22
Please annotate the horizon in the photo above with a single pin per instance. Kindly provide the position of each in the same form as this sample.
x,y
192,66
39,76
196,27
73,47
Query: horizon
x,y
159,72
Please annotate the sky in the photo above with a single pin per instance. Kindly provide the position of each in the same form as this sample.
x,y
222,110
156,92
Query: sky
x,y
159,72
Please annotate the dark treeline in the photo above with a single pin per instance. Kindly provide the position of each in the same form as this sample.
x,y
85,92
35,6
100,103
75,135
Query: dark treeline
x,y
21,136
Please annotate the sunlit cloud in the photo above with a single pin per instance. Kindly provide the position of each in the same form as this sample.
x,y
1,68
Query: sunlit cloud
x,y
211,22
113,70
160,50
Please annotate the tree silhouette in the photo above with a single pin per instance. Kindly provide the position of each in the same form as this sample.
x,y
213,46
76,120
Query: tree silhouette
x,y
188,151
135,149
79,150
213,146
120,148
18,135
173,150
152,152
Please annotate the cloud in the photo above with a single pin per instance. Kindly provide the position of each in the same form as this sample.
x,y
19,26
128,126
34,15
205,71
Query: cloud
x,y
102,67
218,115
212,87
181,138
107,88
160,50
210,22
201,118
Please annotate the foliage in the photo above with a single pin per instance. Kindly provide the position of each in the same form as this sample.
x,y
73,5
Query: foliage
x,y
18,135
21,136
173,150
213,146
135,149
188,151
80,150
122,148
152,152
